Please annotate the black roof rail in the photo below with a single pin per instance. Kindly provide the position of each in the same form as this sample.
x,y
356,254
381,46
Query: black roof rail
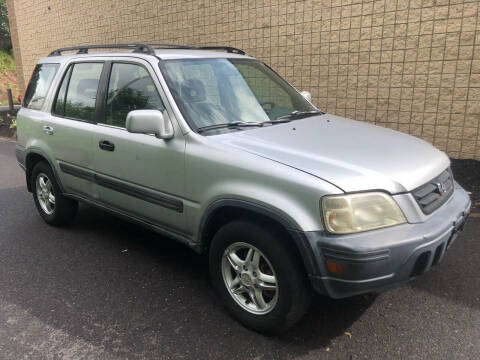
x,y
229,49
145,48
83,49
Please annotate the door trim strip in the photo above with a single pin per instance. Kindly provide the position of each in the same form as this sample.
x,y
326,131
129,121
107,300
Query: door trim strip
x,y
148,195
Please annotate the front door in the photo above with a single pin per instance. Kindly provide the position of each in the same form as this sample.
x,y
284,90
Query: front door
x,y
138,173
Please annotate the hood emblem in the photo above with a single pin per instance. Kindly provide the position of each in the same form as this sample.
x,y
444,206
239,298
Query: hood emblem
x,y
442,189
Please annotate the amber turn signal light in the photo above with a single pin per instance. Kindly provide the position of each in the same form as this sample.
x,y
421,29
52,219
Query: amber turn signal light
x,y
334,267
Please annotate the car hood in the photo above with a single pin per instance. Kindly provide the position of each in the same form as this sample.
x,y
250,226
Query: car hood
x,y
352,155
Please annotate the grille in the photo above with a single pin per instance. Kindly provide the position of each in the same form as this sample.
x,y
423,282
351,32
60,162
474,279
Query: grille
x,y
433,194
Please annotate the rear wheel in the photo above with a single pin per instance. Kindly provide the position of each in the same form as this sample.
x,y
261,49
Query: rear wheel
x,y
52,206
258,277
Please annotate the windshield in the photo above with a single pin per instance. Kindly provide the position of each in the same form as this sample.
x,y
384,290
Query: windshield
x,y
221,91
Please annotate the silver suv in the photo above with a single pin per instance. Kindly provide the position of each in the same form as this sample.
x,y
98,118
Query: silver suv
x,y
211,147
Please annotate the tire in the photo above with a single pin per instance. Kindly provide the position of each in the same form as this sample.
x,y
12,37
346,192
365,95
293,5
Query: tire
x,y
57,210
283,306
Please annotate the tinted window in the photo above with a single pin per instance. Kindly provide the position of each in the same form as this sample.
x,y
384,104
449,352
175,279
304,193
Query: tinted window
x,y
78,92
130,88
40,82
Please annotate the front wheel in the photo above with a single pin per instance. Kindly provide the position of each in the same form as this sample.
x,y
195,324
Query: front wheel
x,y
258,277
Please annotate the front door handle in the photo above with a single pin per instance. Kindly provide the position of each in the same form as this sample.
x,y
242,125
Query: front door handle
x,y
106,145
48,130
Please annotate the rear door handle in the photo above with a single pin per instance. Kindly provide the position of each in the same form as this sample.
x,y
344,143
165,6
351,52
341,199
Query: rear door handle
x,y
48,130
106,145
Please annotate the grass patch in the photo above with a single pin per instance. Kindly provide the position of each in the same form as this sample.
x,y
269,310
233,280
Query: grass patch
x,y
7,63
8,78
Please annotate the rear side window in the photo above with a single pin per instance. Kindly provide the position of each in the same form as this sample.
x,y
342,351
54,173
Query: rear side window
x,y
40,82
78,91
130,88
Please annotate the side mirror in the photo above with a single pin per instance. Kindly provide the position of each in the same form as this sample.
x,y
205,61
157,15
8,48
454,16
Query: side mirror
x,y
307,95
149,122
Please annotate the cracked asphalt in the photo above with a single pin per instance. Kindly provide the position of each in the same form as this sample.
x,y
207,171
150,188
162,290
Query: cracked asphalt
x,y
106,289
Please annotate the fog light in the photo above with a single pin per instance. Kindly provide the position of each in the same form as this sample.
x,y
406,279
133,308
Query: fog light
x,y
334,267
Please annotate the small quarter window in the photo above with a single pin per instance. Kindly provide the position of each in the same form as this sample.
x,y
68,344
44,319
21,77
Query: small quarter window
x,y
78,91
130,88
40,82
59,107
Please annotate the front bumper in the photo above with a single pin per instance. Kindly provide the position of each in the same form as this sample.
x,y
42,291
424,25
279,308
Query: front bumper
x,y
376,260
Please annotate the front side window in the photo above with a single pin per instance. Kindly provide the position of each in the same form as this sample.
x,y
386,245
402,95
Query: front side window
x,y
40,82
130,88
221,91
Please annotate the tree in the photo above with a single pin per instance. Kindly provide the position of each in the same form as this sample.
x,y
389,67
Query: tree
x,y
5,41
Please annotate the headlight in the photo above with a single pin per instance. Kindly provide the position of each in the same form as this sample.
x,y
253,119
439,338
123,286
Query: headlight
x,y
345,214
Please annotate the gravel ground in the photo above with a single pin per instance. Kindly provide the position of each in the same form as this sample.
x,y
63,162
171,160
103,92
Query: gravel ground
x,y
106,289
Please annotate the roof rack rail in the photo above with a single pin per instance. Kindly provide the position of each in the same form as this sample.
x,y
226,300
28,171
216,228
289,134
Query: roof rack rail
x,y
229,49
83,49
145,48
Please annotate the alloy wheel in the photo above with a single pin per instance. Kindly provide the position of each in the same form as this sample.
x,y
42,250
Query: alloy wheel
x,y
250,278
45,195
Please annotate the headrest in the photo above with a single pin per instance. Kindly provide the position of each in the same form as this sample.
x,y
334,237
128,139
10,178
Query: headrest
x,y
87,85
193,90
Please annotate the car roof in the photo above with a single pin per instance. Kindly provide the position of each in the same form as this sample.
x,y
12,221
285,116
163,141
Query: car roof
x,y
164,54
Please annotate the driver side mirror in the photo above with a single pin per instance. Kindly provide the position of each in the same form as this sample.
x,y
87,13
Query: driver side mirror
x,y
307,95
149,122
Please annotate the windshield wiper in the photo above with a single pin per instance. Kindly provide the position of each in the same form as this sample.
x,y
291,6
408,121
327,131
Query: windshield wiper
x,y
281,119
299,114
278,120
236,124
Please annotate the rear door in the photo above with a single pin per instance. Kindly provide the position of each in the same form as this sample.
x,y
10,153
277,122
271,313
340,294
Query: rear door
x,y
70,127
32,114
138,173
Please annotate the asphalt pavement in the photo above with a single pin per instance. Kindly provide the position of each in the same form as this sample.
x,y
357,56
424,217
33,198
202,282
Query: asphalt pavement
x,y
106,289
